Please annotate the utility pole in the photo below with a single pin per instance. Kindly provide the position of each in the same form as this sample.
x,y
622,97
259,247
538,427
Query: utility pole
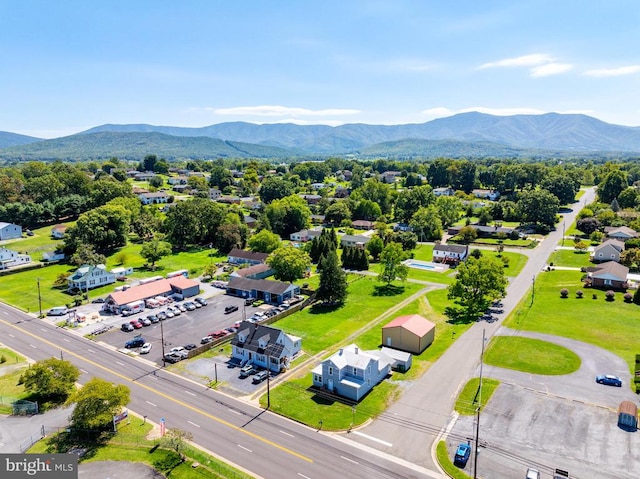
x,y
475,461
162,342
268,389
39,299
533,288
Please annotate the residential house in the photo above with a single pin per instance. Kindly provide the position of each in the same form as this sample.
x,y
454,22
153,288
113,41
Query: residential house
x,y
154,198
317,219
178,180
143,175
443,191
341,192
250,221
484,231
121,272
10,231
272,292
449,253
229,200
359,241
318,186
90,276
180,285
390,176
311,199
56,255
240,256
214,194
303,236
609,250
257,271
363,224
411,333
10,258
181,189
58,231
264,346
622,233
252,205
486,194
351,372
400,361
609,275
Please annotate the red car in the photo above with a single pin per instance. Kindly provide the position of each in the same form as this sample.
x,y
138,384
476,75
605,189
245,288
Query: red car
x,y
136,324
218,334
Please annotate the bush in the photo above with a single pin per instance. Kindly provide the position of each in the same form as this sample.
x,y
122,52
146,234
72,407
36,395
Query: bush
x,y
636,296
609,295
3,359
579,294
628,297
564,293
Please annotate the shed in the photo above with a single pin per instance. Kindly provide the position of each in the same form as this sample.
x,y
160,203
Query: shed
x,y
628,416
411,333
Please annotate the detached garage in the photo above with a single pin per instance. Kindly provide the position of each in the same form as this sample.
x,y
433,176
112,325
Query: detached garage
x,y
411,333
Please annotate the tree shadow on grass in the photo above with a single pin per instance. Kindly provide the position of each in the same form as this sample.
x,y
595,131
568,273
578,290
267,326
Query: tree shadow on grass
x,y
458,316
388,290
85,443
324,308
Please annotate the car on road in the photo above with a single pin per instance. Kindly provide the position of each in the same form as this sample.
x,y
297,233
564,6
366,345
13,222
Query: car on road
x,y
127,327
260,376
98,300
462,454
135,323
532,474
230,309
201,301
609,380
247,370
146,348
135,342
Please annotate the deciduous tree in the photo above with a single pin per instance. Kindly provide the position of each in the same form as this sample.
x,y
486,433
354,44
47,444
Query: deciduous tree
x,y
96,403
392,267
289,263
50,378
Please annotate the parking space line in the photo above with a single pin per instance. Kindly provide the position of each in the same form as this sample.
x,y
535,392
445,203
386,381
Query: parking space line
x,y
303,476
65,339
11,335
90,350
34,347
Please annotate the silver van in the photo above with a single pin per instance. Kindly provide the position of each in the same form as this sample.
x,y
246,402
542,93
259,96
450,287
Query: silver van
x,y
58,311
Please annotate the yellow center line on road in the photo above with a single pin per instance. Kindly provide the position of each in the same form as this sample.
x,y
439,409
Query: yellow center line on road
x,y
166,396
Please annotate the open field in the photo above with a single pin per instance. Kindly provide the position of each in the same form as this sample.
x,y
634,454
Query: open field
x,y
570,258
612,325
468,399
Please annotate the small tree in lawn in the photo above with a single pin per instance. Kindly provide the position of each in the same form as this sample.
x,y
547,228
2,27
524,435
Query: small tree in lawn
x,y
609,295
392,267
636,296
564,293
333,281
96,404
581,246
209,270
155,250
289,263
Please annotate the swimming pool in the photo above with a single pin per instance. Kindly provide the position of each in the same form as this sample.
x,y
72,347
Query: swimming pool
x,y
426,265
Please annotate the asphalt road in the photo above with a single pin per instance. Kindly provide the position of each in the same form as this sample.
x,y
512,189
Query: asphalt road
x,y
265,444
411,426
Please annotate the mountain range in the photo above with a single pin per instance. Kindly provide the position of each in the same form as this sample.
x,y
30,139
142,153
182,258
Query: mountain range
x,y
470,135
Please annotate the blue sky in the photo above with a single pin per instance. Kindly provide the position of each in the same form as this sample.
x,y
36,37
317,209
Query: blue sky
x,y
70,65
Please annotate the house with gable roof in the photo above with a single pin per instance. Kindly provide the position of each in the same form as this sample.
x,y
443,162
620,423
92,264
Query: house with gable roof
x,y
622,233
449,253
10,258
241,256
610,250
10,231
264,346
609,275
90,276
351,372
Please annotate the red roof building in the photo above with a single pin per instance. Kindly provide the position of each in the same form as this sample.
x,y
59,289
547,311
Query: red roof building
x,y
411,333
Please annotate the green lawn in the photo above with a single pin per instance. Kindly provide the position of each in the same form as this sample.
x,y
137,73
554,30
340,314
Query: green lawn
x,y
531,356
467,401
612,325
36,245
446,463
570,258
10,390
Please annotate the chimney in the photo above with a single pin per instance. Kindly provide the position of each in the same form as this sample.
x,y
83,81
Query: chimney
x,y
340,352
356,349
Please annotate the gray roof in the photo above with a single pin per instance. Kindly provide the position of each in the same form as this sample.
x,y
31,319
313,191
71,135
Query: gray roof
x,y
247,284
254,332
250,255
451,248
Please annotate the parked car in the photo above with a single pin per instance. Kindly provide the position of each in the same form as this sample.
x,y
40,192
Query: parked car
x,y
259,317
172,358
190,306
135,323
180,351
248,301
247,370
153,318
206,339
98,300
197,304
190,346
162,315
218,334
609,380
176,311
146,348
202,301
532,474
181,307
230,309
169,313
128,312
135,342
231,329
127,327
462,454
258,302
260,376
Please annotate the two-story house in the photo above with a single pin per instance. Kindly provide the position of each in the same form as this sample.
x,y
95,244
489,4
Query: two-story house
x,y
89,276
351,372
154,198
264,346
610,250
10,231
449,253
10,258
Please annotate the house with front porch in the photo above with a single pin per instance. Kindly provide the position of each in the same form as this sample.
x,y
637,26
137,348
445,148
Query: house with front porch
x,y
90,276
351,372
240,256
271,292
10,258
264,346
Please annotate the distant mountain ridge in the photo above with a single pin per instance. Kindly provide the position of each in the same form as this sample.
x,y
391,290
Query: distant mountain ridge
x,y
469,134
15,139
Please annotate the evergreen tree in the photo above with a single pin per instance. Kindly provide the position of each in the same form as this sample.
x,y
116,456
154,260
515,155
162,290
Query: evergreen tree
x,y
333,281
364,260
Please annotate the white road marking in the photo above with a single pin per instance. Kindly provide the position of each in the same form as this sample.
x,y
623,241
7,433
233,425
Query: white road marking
x,y
287,434
350,460
154,378
91,350
372,438
118,362
235,412
83,371
45,330
246,449
34,347
149,402
193,424
189,392
303,476
65,339
11,335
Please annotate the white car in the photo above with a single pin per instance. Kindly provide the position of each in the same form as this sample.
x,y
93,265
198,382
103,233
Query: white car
x,y
179,351
146,347
169,313
532,474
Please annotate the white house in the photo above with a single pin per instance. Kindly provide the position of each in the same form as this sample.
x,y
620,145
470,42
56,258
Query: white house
x,y
89,277
10,231
264,346
304,235
443,191
154,198
351,372
214,194
56,255
450,253
58,231
486,194
10,258
359,241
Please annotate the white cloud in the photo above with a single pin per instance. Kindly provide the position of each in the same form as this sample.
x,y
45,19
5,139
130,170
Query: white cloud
x,y
275,110
523,61
550,69
613,72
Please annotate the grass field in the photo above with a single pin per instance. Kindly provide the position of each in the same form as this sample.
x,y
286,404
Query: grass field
x,y
612,325
467,401
36,245
531,356
570,258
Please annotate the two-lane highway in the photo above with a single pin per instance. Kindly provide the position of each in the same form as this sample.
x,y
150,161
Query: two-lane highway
x,y
262,443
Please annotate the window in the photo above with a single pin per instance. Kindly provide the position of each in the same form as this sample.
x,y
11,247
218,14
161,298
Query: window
x,y
607,282
355,371
330,371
